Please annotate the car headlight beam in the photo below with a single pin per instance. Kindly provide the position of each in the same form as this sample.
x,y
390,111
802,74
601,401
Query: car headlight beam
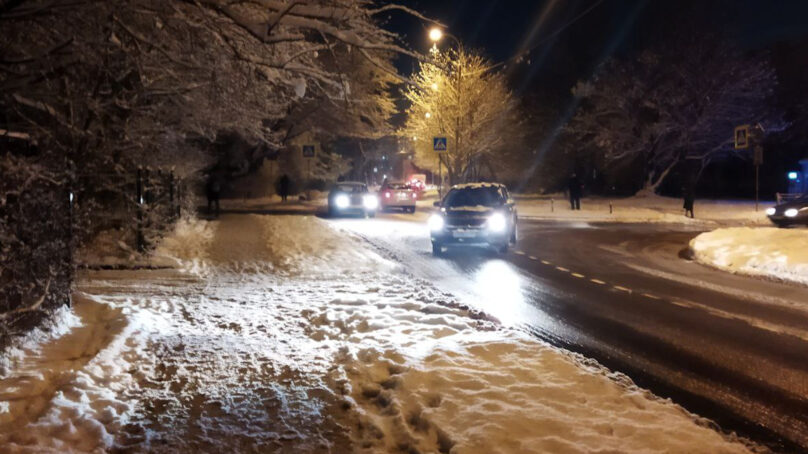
x,y
435,223
771,211
342,201
370,202
792,212
497,223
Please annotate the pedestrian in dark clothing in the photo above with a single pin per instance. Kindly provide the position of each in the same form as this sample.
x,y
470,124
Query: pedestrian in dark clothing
x,y
284,185
690,198
575,190
213,190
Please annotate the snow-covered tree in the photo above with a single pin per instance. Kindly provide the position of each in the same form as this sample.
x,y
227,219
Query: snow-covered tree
x,y
91,90
458,95
663,106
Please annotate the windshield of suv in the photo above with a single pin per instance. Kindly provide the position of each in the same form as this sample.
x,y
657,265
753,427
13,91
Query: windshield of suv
x,y
488,196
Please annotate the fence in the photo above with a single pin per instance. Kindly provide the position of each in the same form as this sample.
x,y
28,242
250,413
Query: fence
x,y
142,203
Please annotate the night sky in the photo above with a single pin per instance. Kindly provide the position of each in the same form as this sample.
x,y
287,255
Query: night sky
x,y
566,47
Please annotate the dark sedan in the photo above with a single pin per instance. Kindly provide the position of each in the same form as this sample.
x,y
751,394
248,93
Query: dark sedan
x,y
794,212
473,215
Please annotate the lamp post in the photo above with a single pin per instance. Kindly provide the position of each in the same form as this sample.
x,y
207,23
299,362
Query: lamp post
x,y
435,35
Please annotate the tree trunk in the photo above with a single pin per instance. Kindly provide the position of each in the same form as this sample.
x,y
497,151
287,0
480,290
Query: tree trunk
x,y
652,184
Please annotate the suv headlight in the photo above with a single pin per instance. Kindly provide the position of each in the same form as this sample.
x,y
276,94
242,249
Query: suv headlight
x,y
791,212
771,211
370,202
342,201
497,223
435,223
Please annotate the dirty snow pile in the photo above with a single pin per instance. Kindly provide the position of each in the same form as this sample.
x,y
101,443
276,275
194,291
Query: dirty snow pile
x,y
768,252
284,334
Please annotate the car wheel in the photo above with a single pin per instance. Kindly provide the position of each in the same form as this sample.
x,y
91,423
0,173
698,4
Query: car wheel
x,y
437,249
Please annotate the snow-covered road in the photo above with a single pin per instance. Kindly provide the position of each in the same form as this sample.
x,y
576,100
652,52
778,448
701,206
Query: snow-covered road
x,y
285,334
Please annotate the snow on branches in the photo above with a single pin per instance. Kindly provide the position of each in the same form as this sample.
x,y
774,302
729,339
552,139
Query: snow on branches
x,y
457,95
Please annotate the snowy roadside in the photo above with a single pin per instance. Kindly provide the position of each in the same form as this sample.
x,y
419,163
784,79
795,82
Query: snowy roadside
x,y
642,209
283,334
780,254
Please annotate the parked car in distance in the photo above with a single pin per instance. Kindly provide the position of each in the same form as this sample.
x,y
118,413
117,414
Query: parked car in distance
x,y
472,215
397,195
792,212
352,198
418,182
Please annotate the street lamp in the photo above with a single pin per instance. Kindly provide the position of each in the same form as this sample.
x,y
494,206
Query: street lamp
x,y
435,34
435,86
428,115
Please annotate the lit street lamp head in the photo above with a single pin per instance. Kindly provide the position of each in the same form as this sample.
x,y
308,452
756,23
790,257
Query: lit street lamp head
x,y
435,34
428,115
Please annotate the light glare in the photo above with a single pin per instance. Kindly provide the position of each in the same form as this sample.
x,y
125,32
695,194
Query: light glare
x,y
435,34
342,201
435,222
497,223
370,202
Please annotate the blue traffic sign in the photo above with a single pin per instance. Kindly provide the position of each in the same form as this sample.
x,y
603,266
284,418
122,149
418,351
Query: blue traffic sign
x,y
439,143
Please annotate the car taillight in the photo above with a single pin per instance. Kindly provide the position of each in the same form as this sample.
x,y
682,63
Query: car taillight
x,y
387,195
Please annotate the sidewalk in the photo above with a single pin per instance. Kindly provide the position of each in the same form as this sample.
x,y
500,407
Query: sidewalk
x,y
284,334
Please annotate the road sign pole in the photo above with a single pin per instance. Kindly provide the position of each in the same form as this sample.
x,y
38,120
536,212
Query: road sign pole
x,y
440,179
439,146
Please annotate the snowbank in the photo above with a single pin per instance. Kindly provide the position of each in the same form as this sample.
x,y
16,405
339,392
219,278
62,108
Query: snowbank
x,y
768,252
647,208
428,378
187,245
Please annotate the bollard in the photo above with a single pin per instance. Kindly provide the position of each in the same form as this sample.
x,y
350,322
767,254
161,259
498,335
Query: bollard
x,y
611,209
552,206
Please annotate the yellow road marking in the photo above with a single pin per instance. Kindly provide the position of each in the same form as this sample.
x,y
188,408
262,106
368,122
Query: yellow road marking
x,y
580,276
561,268
546,262
617,287
653,297
533,257
519,252
597,281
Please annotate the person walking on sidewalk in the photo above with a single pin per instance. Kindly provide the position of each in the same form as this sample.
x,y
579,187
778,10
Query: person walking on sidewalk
x,y
213,190
284,186
575,190
689,200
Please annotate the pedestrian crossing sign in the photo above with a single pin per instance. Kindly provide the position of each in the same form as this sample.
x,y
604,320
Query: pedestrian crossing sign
x,y
439,144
